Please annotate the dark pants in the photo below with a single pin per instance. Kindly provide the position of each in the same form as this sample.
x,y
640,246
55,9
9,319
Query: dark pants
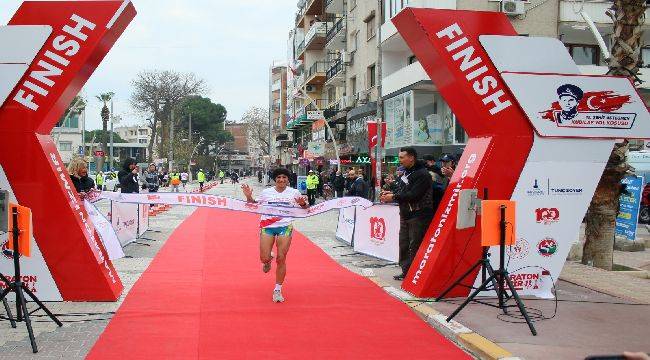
x,y
339,193
200,186
311,196
411,233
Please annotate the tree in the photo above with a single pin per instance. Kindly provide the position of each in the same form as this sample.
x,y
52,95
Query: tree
x,y
102,136
628,17
156,93
105,98
257,120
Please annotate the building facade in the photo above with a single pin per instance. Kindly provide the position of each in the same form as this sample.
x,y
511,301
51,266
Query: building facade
x,y
68,136
334,55
135,134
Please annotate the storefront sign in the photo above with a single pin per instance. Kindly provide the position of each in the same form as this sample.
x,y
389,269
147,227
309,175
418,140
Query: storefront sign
x,y
628,213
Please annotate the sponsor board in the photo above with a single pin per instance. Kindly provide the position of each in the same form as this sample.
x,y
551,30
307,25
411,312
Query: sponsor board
x,y
547,216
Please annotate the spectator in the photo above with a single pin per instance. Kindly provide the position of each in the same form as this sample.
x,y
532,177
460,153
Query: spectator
x,y
78,170
339,184
151,178
448,167
390,184
234,177
185,177
431,165
358,186
200,176
312,187
128,177
415,200
175,181
99,180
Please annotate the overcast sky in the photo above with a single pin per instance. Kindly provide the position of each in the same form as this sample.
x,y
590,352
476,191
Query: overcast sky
x,y
230,44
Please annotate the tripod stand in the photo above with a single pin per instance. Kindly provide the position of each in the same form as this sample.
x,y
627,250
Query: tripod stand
x,y
498,279
18,287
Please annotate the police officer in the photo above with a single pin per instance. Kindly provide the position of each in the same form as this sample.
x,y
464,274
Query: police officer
x,y
312,187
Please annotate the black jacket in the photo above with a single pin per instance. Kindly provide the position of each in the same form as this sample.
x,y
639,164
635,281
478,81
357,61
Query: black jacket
x,y
128,180
415,195
82,184
151,178
358,188
339,182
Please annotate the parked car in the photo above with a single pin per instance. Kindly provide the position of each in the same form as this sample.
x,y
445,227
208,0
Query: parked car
x,y
644,210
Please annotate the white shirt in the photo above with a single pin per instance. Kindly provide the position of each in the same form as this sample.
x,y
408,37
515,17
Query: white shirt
x,y
184,176
286,198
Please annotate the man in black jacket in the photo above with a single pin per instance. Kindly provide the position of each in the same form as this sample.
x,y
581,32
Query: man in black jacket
x,y
358,186
128,177
414,197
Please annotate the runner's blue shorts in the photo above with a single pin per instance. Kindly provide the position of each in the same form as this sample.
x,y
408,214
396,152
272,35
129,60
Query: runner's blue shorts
x,y
278,231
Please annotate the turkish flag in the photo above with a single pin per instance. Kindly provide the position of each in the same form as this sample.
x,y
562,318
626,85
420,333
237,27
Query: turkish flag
x,y
372,142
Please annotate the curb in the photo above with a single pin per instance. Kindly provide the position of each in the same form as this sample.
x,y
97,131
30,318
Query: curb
x,y
461,335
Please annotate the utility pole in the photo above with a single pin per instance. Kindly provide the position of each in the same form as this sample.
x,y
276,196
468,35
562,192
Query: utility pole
x,y
111,135
171,143
189,161
380,105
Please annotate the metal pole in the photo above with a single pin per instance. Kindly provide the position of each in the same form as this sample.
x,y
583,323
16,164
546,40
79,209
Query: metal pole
x,y
111,135
171,143
83,131
189,168
380,105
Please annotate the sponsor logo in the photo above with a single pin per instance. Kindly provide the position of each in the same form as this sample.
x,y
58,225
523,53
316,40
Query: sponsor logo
x,y
547,247
565,191
377,230
594,110
251,206
519,250
547,216
525,281
535,190
153,197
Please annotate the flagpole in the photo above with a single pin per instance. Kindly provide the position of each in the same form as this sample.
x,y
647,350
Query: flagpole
x,y
336,147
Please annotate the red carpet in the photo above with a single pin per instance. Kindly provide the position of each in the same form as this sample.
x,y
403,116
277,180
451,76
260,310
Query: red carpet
x,y
205,296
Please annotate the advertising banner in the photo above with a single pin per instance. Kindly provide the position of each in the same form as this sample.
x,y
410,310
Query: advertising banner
x,y
220,202
345,226
143,219
628,213
376,232
124,218
302,184
106,232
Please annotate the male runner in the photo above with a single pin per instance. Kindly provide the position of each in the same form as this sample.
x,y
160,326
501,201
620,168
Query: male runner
x,y
275,228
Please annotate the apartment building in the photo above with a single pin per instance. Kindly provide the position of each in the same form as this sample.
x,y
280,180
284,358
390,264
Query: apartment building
x,y
415,113
135,134
281,140
68,134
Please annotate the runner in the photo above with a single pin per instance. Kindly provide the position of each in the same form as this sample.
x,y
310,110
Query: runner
x,y
276,229
184,178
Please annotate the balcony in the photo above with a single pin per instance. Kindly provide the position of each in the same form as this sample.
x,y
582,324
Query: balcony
x,y
595,8
316,105
336,35
334,7
317,73
335,75
300,51
308,7
315,38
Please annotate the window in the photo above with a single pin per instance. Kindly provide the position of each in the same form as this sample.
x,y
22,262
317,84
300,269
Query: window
x,y
353,85
371,28
69,122
142,141
645,56
371,76
355,41
142,131
584,54
65,146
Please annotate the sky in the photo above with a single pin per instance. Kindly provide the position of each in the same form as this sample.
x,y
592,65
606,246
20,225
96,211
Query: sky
x,y
229,44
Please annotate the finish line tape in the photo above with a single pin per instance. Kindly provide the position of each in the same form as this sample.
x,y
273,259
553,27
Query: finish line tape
x,y
227,203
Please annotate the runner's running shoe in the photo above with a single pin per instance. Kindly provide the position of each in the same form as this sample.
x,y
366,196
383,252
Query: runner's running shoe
x,y
277,296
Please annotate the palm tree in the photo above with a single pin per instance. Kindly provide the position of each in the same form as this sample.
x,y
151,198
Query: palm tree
x,y
628,17
105,114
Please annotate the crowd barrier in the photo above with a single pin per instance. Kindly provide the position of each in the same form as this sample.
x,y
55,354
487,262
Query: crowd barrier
x,y
372,231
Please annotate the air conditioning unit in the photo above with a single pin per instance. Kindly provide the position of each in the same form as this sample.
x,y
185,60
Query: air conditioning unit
x,y
513,7
347,58
310,88
362,97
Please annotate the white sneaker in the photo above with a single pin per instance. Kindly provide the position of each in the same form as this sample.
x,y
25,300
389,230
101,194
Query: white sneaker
x,y
277,296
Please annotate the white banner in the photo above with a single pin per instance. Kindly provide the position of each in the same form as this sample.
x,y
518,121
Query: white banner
x,y
124,218
143,219
106,232
222,202
376,232
345,226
